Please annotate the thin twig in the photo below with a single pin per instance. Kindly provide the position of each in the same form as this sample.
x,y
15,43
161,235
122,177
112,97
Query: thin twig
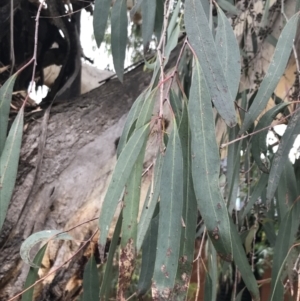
x,y
198,265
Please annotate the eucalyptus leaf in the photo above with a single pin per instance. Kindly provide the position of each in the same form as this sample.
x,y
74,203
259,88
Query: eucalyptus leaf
x,y
101,12
119,25
169,226
201,39
119,178
9,161
274,73
206,166
148,13
38,237
91,281
5,99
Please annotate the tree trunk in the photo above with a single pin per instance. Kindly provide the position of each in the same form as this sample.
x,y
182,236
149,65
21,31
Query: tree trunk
x,y
78,158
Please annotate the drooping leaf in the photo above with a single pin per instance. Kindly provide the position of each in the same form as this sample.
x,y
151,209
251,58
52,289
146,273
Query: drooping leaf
x,y
151,202
173,41
119,178
259,140
242,263
274,73
33,275
229,53
202,41
148,257
9,161
131,201
206,166
38,237
226,5
213,269
256,193
91,281
119,24
281,156
169,226
189,210
159,19
105,285
5,99
208,288
148,13
233,167
285,238
130,121
287,190
173,21
101,11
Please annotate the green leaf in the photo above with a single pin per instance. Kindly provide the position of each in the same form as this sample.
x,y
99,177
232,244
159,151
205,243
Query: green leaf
x,y
173,21
33,275
274,73
150,202
189,210
169,226
119,24
148,257
208,288
226,5
9,163
259,140
148,13
213,269
281,156
287,190
173,41
285,238
256,193
91,281
206,166
233,167
159,19
242,263
101,12
229,53
202,41
38,237
130,121
131,203
5,99
106,282
119,178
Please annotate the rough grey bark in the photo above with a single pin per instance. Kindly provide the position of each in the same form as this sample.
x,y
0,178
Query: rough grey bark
x,y
78,158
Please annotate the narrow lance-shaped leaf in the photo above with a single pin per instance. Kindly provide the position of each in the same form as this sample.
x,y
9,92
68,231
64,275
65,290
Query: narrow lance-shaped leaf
x,y
38,237
91,281
5,99
169,226
9,161
206,166
130,120
242,263
274,73
189,210
159,19
281,156
148,257
119,24
119,178
259,140
229,53
33,275
131,203
148,13
202,41
173,20
101,12
150,203
105,285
